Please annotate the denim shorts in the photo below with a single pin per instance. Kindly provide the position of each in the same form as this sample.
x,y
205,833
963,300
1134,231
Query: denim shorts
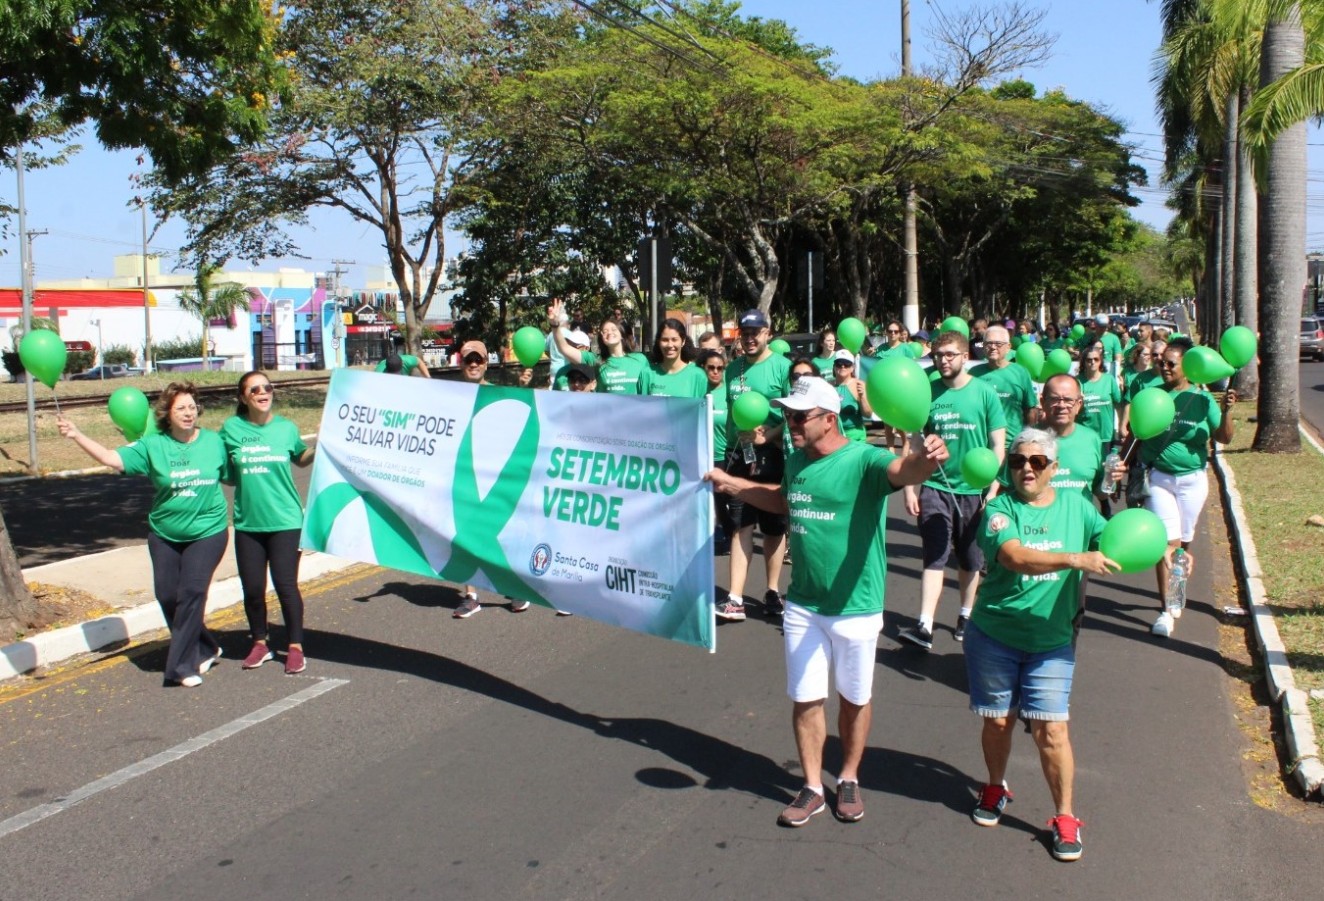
x,y
1003,678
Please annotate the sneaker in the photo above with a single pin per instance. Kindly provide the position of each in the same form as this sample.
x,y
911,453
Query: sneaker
x,y
1163,625
209,662
808,803
733,611
850,806
773,605
518,606
959,634
258,656
191,681
468,608
919,635
564,613
1066,837
294,662
993,799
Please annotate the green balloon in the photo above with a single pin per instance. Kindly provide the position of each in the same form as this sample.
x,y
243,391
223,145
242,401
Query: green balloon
x,y
1152,412
917,349
1238,346
130,411
43,354
779,346
1203,365
899,392
1016,342
934,375
955,324
749,411
1134,539
528,344
1078,331
1031,356
1056,363
979,467
851,334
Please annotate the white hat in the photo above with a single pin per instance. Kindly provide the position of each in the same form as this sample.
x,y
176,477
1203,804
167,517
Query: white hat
x,y
811,393
843,354
577,338
1101,319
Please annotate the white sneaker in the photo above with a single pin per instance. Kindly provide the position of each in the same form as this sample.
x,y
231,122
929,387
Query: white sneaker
x,y
1176,612
191,681
209,662
1163,625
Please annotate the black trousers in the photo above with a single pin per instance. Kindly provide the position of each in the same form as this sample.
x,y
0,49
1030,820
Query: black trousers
x,y
182,573
277,552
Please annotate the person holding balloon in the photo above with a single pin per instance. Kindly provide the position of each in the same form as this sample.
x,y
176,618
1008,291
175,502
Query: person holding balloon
x,y
1178,454
268,515
188,520
854,400
1020,653
671,372
967,414
619,367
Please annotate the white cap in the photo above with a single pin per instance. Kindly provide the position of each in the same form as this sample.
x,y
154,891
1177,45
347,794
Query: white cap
x,y
811,393
1101,319
577,338
844,355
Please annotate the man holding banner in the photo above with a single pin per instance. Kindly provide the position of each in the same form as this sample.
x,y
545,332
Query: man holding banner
x,y
835,493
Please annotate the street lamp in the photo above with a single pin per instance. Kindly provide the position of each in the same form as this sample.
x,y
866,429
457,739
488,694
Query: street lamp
x,y
101,359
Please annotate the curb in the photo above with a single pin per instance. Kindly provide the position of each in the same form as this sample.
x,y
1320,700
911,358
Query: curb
x,y
1305,765
61,644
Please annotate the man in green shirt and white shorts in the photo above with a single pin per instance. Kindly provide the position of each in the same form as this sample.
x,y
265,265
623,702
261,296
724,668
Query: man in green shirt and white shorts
x,y
835,493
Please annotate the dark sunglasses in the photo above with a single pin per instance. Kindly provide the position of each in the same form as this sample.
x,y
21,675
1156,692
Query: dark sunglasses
x,y
474,359
1167,364
715,368
261,389
800,417
1037,461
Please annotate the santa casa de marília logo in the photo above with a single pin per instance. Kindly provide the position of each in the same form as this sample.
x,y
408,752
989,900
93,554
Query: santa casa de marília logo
x,y
540,560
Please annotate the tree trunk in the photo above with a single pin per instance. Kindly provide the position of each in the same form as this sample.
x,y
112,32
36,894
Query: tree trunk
x,y
1282,252
1247,381
1228,219
17,607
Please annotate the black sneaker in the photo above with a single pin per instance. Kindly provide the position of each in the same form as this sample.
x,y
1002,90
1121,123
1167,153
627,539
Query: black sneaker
x,y
959,634
993,799
1066,837
808,803
918,635
773,605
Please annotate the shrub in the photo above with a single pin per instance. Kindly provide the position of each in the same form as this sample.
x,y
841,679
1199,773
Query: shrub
x,y
79,360
120,353
178,348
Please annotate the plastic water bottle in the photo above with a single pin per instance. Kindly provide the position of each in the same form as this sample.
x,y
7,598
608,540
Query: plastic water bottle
x,y
1177,583
1109,470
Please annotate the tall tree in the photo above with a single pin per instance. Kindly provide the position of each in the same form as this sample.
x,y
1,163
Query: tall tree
x,y
208,300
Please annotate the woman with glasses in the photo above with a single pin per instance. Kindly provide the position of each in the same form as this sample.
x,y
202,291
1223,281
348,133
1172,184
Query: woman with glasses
x,y
1138,373
268,515
855,408
826,355
1178,485
187,523
712,363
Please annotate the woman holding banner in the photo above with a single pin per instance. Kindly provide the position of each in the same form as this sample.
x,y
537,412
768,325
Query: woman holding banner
x,y
187,523
268,514
713,365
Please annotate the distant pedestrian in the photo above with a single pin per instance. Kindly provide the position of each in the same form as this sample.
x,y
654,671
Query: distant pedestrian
x,y
398,363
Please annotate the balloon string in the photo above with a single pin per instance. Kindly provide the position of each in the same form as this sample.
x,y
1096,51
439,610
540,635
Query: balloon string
x,y
55,397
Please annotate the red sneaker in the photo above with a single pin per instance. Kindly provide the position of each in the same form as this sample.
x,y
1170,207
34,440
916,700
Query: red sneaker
x,y
294,662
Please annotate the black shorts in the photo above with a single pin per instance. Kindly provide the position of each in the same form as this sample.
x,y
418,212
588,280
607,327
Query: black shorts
x,y
767,469
950,522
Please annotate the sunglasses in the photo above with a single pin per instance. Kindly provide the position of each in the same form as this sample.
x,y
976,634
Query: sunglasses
x,y
1167,364
715,368
474,359
1038,462
800,417
261,389
894,331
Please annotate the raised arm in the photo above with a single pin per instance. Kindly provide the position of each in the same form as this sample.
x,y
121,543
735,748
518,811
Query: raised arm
x,y
557,319
94,449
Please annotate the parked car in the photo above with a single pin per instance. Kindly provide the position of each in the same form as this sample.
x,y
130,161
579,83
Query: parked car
x,y
108,371
1312,338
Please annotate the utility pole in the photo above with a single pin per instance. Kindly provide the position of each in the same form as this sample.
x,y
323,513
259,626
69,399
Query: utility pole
x,y
910,311
147,303
25,251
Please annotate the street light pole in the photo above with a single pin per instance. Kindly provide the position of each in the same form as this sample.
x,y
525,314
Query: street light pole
x,y
24,254
147,308
101,358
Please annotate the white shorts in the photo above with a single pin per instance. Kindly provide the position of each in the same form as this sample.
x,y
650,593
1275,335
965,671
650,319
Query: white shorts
x,y
1178,500
848,644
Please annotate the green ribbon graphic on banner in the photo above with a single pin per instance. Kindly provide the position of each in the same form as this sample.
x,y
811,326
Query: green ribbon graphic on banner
x,y
479,521
393,543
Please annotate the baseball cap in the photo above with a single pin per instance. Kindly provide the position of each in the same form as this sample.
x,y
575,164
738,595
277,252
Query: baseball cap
x,y
754,319
811,394
473,347
583,370
577,338
1101,319
920,335
843,355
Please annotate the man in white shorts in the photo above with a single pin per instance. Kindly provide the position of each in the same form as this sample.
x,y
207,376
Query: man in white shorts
x,y
835,492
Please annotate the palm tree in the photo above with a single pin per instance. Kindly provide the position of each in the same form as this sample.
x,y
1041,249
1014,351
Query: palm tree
x,y
208,302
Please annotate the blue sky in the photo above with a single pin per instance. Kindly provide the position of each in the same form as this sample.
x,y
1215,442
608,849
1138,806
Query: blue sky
x,y
1103,54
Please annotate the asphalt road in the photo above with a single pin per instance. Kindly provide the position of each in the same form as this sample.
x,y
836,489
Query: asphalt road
x,y
1312,395
531,756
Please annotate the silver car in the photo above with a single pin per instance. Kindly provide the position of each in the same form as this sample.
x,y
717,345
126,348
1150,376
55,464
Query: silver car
x,y
1312,338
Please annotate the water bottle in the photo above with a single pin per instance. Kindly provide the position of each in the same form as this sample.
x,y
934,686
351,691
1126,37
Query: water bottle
x,y
1109,470
1177,583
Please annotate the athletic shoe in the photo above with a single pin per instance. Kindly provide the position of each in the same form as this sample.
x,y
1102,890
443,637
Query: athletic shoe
x,y
1163,625
468,608
518,606
191,681
1066,837
773,605
993,799
564,613
850,806
294,662
732,611
959,634
919,635
258,656
808,803
209,663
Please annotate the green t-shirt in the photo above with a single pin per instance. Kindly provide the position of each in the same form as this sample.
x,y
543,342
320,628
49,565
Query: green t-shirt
x,y
1184,447
688,381
851,418
1051,344
904,349
408,364
1033,613
838,528
964,418
1015,390
1139,381
1079,461
265,499
1101,398
189,504
717,395
617,375
770,377
824,367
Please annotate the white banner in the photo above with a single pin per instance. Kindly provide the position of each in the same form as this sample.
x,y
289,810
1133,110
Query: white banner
x,y
589,503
